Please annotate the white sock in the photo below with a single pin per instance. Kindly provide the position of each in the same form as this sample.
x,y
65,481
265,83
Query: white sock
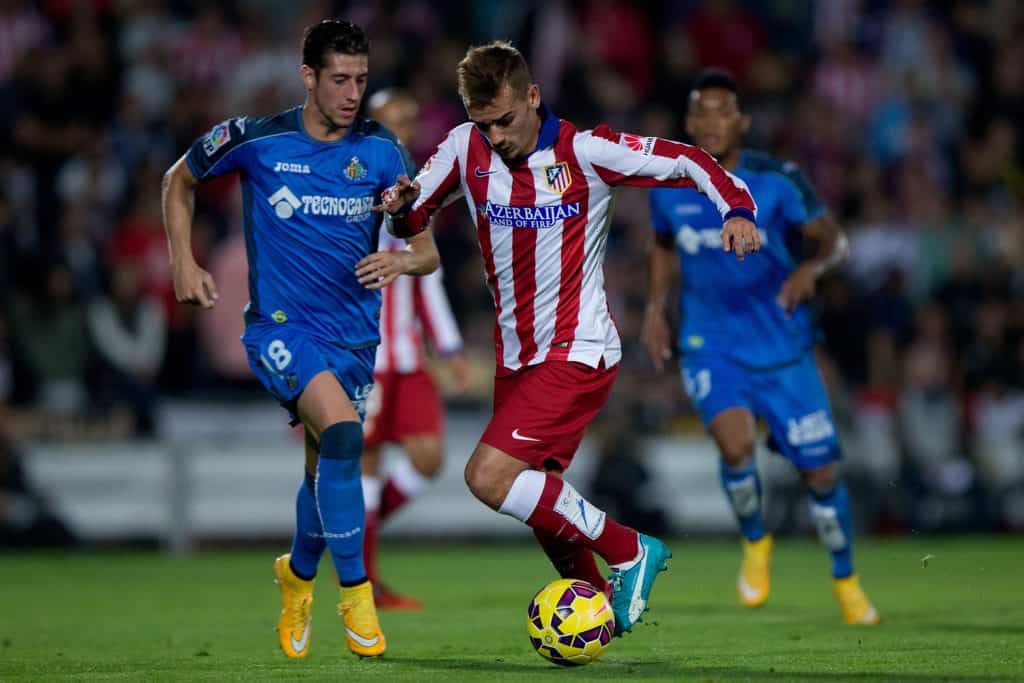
x,y
524,495
371,492
407,478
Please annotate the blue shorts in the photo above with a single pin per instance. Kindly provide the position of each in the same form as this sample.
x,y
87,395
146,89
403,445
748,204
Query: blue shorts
x,y
285,359
791,399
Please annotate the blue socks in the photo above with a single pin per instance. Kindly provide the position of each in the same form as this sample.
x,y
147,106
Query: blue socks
x,y
832,516
742,487
308,544
339,497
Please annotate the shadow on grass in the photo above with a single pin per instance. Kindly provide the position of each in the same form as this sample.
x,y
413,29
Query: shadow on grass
x,y
655,668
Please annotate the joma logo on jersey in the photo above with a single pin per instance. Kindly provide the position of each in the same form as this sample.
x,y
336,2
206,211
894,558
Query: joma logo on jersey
x,y
691,240
289,167
285,204
538,217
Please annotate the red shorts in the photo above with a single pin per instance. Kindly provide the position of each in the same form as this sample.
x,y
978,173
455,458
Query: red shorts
x,y
542,411
401,405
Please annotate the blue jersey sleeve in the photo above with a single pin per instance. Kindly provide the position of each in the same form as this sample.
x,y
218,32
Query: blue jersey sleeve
x,y
220,150
805,194
794,211
661,222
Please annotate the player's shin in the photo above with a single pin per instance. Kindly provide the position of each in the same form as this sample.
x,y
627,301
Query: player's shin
x,y
308,543
742,486
571,560
833,518
548,503
339,498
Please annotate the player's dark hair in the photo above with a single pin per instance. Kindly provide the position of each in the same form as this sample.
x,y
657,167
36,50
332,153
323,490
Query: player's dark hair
x,y
487,68
715,77
332,35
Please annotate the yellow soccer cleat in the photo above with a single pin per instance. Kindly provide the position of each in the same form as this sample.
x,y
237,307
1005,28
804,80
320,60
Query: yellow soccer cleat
x,y
753,580
297,600
857,609
359,613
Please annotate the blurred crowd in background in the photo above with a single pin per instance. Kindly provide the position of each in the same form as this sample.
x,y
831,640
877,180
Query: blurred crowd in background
x,y
906,116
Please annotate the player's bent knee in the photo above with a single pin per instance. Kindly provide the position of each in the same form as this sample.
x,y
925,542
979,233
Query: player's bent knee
x,y
426,455
738,453
343,441
488,479
821,481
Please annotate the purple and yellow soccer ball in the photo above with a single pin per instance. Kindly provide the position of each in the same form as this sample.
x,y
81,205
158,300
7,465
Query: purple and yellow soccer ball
x,y
570,622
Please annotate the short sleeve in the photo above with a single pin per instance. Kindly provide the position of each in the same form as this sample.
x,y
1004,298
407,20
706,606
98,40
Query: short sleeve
x,y
806,196
217,152
794,210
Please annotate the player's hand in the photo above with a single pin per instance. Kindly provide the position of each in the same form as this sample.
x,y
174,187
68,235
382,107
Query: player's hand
x,y
462,373
193,285
398,195
656,338
798,288
740,236
380,268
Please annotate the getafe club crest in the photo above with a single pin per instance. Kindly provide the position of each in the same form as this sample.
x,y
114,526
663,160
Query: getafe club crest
x,y
558,177
355,169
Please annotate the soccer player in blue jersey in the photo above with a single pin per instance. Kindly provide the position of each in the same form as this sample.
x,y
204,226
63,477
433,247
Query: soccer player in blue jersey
x,y
762,302
310,179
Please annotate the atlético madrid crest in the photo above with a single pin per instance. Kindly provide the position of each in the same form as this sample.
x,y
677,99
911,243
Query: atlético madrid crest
x,y
558,177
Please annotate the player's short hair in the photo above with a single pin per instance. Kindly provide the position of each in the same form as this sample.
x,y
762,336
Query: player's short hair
x,y
716,77
332,35
486,69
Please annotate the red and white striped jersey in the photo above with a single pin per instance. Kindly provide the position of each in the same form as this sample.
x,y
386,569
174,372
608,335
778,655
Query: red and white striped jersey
x,y
411,307
542,225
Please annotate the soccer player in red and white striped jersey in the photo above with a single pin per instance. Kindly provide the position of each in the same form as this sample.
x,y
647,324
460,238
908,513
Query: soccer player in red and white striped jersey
x,y
405,407
540,193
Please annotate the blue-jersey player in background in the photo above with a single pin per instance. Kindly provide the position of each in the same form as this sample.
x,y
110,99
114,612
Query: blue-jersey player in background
x,y
311,177
761,302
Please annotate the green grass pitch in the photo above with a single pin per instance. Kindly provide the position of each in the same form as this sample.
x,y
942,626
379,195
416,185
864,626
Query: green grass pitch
x,y
139,616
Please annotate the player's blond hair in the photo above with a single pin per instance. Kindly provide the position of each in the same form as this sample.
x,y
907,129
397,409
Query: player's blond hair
x,y
486,69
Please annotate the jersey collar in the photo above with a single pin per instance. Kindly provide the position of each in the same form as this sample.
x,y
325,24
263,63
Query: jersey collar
x,y
548,129
353,130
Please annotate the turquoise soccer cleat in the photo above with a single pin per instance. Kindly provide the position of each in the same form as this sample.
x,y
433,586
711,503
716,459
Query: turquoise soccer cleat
x,y
632,587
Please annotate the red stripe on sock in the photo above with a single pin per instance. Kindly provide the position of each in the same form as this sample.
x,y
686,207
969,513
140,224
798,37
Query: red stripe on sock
x,y
616,544
391,499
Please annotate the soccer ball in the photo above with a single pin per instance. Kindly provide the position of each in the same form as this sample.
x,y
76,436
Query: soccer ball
x,y
570,622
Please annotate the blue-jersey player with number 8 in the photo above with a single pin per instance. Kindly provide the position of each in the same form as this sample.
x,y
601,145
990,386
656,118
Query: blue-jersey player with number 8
x,y
773,377
311,177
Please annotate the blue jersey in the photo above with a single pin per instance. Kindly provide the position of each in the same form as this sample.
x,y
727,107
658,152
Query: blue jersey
x,y
306,210
729,307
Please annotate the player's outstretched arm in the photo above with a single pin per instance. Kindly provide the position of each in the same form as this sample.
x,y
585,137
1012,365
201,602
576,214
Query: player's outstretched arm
x,y
192,284
832,248
655,331
627,159
380,268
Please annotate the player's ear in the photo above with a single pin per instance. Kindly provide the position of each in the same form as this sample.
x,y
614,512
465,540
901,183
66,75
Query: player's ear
x,y
688,126
744,123
308,77
533,95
